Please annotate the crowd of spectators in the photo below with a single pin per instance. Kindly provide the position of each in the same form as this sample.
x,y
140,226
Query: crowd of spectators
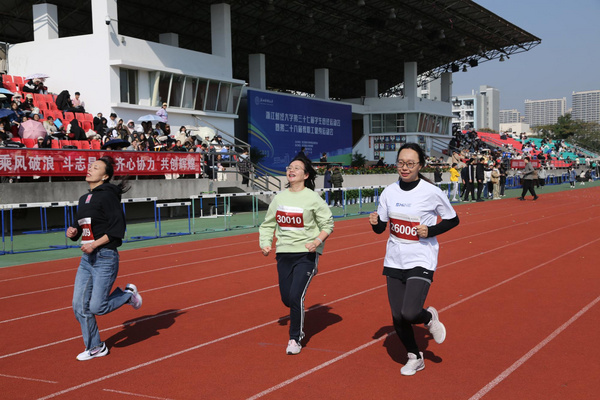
x,y
66,119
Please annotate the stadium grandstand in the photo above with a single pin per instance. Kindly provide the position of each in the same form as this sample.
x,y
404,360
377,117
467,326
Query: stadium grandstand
x,y
128,59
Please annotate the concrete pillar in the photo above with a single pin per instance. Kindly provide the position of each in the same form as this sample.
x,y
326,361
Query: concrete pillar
x,y
257,71
102,11
171,39
410,83
372,88
220,22
446,87
45,21
322,83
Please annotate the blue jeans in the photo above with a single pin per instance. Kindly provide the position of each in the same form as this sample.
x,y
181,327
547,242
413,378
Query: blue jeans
x,y
96,274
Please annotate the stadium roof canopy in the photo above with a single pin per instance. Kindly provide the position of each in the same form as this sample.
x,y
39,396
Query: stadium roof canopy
x,y
355,42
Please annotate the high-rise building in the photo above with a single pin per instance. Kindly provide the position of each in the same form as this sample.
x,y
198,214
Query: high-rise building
x,y
544,112
510,116
477,110
586,106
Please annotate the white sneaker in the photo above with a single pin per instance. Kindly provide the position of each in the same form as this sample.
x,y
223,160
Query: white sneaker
x,y
136,299
293,347
413,364
436,328
99,351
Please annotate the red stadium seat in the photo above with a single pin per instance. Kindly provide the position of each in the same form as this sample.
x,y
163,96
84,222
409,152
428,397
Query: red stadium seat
x,y
49,98
96,144
52,106
69,116
88,117
86,125
7,78
55,144
38,98
16,139
64,143
29,143
19,80
42,105
81,144
10,86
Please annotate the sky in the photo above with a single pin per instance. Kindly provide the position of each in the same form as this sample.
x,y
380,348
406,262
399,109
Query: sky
x,y
566,61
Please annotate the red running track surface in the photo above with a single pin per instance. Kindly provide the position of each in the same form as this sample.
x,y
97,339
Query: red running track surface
x,y
517,288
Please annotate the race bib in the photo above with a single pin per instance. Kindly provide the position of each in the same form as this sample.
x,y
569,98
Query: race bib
x,y
290,218
86,230
403,228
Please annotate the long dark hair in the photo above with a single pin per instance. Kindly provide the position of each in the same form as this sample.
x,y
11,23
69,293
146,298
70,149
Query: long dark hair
x,y
109,163
308,168
419,150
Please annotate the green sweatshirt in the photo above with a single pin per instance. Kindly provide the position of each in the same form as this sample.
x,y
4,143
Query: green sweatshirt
x,y
296,218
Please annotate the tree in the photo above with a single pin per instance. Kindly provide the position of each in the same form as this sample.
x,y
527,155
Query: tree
x,y
584,134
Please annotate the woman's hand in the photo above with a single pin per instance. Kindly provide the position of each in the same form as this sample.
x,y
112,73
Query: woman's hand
x,y
312,246
373,218
266,250
422,230
71,232
88,248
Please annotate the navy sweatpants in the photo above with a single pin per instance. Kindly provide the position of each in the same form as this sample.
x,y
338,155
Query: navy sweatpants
x,y
295,270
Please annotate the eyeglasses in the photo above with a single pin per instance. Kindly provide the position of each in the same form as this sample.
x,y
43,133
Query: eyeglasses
x,y
294,168
409,164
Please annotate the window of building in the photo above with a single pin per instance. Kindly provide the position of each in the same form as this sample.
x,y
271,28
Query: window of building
x,y
128,86
387,123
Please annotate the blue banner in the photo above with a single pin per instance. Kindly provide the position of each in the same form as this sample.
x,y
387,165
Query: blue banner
x,y
280,125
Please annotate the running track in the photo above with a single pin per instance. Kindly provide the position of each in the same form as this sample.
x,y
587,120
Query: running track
x,y
517,288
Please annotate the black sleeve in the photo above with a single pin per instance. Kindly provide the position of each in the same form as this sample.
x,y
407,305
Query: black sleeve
x,y
380,227
444,226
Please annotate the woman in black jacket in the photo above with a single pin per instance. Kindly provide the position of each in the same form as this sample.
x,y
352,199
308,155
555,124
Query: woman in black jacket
x,y
101,225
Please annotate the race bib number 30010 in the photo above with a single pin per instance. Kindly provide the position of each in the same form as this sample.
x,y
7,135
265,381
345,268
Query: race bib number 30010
x,y
290,218
86,230
404,227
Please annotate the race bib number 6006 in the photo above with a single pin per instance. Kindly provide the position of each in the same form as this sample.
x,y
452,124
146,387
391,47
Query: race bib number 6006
x,y
290,218
404,227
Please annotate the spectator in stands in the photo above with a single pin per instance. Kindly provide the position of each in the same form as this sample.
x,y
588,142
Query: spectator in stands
x,y
480,176
454,175
181,134
468,178
336,181
179,147
4,133
437,175
75,132
15,117
542,176
323,158
302,152
78,103
39,144
495,179
63,102
131,126
221,175
27,105
122,131
112,121
245,166
502,170
528,180
164,116
34,86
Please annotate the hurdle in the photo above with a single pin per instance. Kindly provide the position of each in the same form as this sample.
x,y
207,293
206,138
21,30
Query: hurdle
x,y
228,215
67,215
139,200
160,206
207,197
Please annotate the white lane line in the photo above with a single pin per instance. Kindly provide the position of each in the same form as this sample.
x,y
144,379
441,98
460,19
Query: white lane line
x,y
180,310
532,352
27,379
135,367
136,394
364,346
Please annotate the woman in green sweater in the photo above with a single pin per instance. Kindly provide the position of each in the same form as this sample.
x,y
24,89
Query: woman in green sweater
x,y
301,221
